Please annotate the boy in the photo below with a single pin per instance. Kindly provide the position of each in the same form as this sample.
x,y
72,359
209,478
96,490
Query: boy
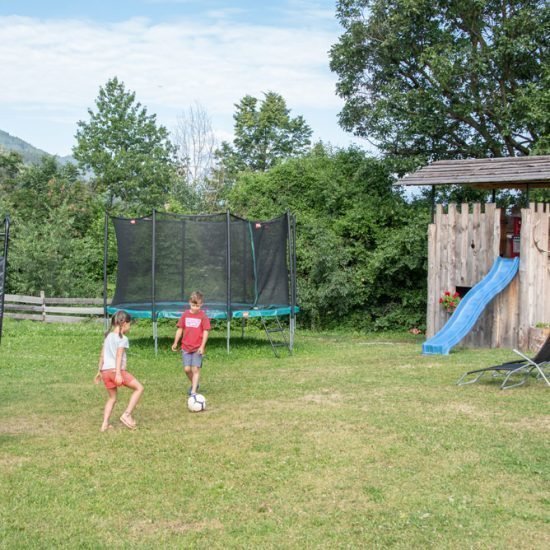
x,y
194,325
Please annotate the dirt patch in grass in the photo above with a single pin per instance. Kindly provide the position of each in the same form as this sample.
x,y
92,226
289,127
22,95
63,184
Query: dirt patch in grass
x,y
324,398
533,423
466,409
29,425
151,527
10,463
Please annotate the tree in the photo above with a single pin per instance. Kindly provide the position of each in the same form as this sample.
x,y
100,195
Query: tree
x,y
445,78
57,231
42,188
265,134
50,255
196,144
131,157
11,165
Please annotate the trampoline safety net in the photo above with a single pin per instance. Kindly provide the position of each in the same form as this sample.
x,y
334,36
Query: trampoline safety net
x,y
230,259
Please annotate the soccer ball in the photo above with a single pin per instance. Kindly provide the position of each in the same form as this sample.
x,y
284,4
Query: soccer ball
x,y
196,403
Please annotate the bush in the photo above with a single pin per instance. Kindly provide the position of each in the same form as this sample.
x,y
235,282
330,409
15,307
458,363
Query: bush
x,y
361,248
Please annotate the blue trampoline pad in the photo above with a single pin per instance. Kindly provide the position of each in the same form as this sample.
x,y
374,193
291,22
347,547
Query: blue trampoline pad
x,y
173,310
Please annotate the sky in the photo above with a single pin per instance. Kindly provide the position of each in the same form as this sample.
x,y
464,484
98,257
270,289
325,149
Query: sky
x,y
174,54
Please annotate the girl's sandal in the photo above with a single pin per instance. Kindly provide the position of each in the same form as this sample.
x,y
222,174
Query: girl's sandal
x,y
125,419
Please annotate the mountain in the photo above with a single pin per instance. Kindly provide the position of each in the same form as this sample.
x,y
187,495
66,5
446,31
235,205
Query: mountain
x,y
30,154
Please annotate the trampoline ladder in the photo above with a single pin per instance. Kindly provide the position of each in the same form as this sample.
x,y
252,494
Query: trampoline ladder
x,y
278,329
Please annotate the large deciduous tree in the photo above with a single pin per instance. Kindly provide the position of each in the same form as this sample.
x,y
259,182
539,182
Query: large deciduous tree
x,y
445,78
265,133
131,156
196,143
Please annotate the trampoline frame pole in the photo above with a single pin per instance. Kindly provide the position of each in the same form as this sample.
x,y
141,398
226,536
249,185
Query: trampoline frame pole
x,y
182,266
292,247
6,239
153,280
228,276
105,253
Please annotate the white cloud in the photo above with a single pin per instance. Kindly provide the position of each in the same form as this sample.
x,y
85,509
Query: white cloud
x,y
55,67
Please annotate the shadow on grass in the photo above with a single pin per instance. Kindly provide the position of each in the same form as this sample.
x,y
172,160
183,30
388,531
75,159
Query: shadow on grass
x,y
215,344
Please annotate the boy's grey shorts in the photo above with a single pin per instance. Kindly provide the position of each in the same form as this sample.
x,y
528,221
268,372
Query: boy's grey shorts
x,y
191,359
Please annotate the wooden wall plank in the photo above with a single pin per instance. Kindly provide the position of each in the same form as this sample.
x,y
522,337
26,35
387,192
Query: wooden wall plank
x,y
463,245
432,298
526,289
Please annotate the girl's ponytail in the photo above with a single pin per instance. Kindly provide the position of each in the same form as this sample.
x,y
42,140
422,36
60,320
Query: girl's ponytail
x,y
118,319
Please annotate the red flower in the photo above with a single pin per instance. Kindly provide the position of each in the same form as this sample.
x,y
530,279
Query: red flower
x,y
450,300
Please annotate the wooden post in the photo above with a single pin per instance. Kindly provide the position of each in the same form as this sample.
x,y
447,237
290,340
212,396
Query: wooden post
x,y
433,298
463,232
43,304
525,291
437,261
451,250
498,303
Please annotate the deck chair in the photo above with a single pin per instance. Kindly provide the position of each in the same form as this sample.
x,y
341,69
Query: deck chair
x,y
520,368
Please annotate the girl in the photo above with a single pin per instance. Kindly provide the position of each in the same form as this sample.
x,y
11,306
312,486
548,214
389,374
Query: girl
x,y
112,370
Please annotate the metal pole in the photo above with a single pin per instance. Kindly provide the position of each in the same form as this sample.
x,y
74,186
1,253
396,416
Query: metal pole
x,y
228,275
292,257
105,252
153,280
433,203
289,273
182,269
5,274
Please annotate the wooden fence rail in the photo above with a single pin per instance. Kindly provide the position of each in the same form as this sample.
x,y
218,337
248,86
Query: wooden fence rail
x,y
52,310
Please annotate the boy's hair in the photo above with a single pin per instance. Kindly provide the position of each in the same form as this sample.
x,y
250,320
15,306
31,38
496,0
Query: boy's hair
x,y
118,319
196,297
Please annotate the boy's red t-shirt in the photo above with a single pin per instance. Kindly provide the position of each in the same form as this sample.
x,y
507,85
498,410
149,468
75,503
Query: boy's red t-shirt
x,y
193,325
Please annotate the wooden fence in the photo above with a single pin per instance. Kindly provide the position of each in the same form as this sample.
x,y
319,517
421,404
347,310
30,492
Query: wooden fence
x,y
52,310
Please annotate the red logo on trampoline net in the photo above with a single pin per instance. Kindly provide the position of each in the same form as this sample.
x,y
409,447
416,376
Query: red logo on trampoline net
x,y
258,226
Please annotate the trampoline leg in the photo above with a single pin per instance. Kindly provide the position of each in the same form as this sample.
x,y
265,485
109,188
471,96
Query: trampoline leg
x,y
228,333
291,335
155,336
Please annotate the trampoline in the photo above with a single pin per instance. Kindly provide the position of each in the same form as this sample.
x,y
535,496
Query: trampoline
x,y
5,237
244,268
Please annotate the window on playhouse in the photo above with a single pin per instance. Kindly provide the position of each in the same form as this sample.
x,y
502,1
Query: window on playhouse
x,y
510,231
463,290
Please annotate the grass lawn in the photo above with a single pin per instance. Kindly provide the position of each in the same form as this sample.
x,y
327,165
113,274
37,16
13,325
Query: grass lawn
x,y
355,441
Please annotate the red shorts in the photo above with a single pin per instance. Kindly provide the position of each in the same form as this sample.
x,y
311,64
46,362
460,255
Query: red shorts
x,y
108,377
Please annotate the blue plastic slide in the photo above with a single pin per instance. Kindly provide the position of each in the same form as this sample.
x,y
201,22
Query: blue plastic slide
x,y
471,306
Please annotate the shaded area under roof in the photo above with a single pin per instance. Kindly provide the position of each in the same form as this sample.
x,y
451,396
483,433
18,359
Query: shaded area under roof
x,y
493,173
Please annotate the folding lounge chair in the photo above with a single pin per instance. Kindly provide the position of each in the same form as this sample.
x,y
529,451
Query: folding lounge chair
x,y
522,367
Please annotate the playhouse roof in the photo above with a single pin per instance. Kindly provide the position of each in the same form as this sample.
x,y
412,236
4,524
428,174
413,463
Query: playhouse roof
x,y
492,173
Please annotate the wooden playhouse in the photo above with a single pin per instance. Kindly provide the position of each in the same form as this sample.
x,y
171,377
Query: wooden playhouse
x,y
464,241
